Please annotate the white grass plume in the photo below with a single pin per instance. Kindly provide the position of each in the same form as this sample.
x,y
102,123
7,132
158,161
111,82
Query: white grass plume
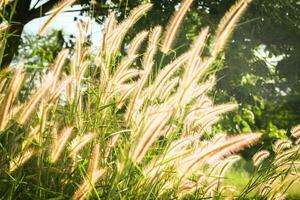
x,y
174,26
227,25
136,43
30,106
259,157
150,134
282,144
215,152
79,142
11,95
296,131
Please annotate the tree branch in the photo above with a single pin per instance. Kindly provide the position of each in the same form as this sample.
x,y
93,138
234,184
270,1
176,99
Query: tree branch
x,y
43,9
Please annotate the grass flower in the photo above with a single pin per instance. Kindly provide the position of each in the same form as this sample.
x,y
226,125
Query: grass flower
x,y
59,143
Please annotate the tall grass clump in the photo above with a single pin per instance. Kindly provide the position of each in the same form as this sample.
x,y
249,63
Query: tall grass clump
x,y
104,126
276,172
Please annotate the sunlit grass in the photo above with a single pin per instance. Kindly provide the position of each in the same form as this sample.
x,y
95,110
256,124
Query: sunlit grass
x,y
104,126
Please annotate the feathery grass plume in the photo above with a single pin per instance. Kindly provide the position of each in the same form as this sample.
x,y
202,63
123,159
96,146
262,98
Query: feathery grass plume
x,y
214,111
79,65
227,163
227,25
79,142
150,133
167,89
83,27
195,51
128,75
117,92
279,196
33,136
280,186
281,144
60,86
279,176
20,160
59,143
93,175
147,66
109,26
211,188
188,187
119,82
56,11
215,152
265,189
114,40
10,96
42,115
228,192
122,70
219,169
199,119
160,106
127,90
112,142
136,14
173,27
94,161
136,43
30,106
286,155
200,68
88,185
104,70
165,74
197,93
296,131
148,59
259,157
175,151
58,64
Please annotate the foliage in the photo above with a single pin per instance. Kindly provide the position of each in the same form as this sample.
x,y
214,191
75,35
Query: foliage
x,y
39,52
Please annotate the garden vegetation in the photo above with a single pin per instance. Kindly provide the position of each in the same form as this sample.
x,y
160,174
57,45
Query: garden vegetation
x,y
118,125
